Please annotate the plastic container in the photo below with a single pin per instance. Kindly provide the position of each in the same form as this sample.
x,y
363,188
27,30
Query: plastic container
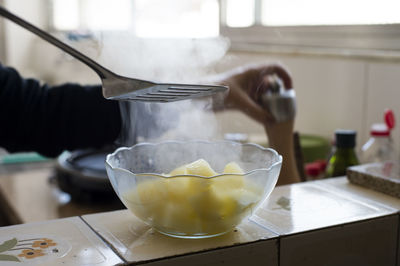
x,y
380,146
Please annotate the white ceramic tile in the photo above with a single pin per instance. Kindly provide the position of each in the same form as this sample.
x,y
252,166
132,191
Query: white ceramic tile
x,y
383,92
343,185
137,242
253,254
372,242
56,242
306,206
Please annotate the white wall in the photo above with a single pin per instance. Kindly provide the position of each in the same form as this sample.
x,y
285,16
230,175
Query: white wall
x,y
18,41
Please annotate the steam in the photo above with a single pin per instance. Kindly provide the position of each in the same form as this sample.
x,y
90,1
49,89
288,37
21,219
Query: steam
x,y
172,61
160,60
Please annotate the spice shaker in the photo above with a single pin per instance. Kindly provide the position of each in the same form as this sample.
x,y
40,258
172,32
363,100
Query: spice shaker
x,y
279,101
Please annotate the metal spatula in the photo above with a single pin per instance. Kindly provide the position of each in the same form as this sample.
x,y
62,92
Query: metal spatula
x,y
117,87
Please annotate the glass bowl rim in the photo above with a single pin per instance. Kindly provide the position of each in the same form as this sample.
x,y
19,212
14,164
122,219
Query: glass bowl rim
x,y
120,149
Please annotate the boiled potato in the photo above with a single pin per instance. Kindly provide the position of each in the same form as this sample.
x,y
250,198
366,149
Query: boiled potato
x,y
229,182
179,171
152,191
190,204
233,168
146,198
200,167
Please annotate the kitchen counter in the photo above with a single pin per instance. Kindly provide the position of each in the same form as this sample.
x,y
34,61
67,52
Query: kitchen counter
x,y
327,222
29,194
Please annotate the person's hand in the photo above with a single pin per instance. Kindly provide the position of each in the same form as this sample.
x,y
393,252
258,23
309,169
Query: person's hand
x,y
247,85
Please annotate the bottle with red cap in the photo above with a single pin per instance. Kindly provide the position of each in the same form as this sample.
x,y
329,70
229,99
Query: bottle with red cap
x,y
380,147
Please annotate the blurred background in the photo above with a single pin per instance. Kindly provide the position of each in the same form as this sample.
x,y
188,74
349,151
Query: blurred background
x,y
344,56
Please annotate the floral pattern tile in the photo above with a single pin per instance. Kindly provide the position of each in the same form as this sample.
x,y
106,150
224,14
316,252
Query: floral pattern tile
x,y
66,241
28,248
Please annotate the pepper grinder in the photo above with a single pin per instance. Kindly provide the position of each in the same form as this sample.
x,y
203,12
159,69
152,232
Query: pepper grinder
x,y
280,102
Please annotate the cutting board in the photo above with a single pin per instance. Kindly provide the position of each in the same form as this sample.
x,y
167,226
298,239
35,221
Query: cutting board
x,y
383,177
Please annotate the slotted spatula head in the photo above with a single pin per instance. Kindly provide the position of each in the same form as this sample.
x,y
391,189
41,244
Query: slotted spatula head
x,y
122,88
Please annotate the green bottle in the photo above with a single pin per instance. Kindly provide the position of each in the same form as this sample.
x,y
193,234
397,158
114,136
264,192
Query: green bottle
x,y
344,154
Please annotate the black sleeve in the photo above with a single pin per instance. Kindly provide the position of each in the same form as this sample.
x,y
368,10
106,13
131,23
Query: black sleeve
x,y
48,120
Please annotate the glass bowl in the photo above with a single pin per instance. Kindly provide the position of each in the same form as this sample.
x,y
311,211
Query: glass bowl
x,y
192,206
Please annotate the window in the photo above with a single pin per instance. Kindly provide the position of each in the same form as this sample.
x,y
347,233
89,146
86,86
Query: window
x,y
359,24
244,13
338,12
145,18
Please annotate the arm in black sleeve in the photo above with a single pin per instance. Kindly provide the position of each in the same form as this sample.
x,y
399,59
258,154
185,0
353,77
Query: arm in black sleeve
x,y
48,120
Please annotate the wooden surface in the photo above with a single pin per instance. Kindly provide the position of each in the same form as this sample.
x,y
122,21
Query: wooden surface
x,y
29,195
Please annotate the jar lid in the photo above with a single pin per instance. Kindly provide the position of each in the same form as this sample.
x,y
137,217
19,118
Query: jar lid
x,y
315,168
380,130
345,138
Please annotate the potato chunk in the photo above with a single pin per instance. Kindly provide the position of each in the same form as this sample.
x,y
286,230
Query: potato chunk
x,y
200,167
195,205
233,168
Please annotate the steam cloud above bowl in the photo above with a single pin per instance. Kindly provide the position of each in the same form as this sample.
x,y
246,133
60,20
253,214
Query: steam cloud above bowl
x,y
167,61
193,205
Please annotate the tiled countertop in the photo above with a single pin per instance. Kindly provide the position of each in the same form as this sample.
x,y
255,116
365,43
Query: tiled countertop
x,y
329,222
30,195
309,206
